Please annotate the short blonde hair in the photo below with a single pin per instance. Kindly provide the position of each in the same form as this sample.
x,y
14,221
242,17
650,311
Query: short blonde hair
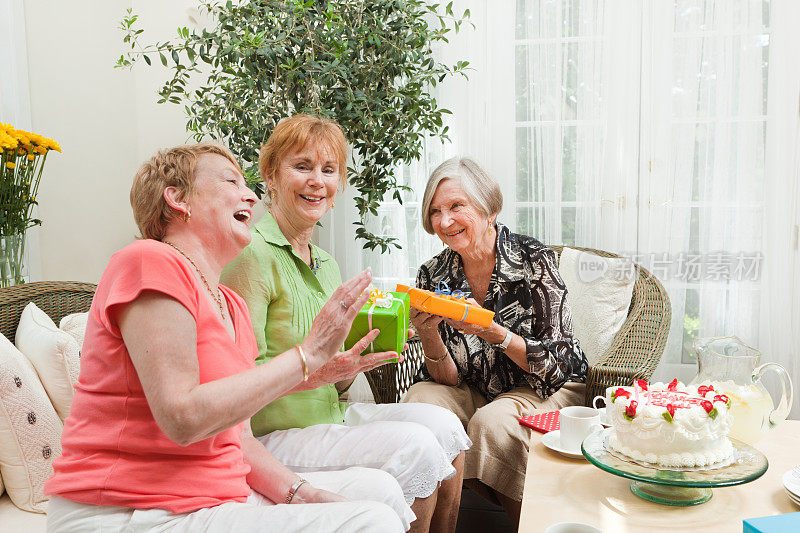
x,y
481,188
168,168
295,133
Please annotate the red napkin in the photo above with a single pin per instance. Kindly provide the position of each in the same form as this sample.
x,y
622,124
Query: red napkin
x,y
543,423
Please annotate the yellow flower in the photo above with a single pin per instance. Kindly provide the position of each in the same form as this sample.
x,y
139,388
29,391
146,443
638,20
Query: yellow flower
x,y
10,164
30,157
53,145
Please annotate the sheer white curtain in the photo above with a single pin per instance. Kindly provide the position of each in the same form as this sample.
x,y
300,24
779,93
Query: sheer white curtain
x,y
705,177
779,321
15,107
577,117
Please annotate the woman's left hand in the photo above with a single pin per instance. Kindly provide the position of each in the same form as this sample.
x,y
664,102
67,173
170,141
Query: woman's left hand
x,y
348,364
495,333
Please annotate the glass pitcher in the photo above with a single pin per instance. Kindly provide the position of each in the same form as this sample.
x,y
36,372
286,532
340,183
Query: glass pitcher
x,y
731,366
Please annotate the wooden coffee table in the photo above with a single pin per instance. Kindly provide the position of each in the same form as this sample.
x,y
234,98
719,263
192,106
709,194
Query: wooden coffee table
x,y
558,489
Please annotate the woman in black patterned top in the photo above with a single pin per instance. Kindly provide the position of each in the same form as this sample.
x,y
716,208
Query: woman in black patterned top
x,y
527,360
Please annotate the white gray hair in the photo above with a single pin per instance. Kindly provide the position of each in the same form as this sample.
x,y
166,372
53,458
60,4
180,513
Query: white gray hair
x,y
480,187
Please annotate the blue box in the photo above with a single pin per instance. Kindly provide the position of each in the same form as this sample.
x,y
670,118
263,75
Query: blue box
x,y
780,523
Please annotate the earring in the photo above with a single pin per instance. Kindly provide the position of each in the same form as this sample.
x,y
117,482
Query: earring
x,y
187,215
333,203
272,194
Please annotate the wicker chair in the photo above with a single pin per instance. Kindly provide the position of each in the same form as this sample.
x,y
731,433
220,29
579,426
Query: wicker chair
x,y
56,298
634,353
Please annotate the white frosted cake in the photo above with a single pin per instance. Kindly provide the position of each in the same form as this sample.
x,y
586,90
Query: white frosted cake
x,y
673,425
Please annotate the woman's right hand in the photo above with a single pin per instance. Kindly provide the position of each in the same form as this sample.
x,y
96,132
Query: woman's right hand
x,y
333,322
426,324
347,365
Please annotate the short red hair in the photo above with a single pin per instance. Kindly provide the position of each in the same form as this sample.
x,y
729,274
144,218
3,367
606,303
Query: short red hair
x,y
295,133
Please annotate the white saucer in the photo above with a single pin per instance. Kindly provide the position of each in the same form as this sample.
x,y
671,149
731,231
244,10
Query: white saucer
x,y
792,497
791,482
552,440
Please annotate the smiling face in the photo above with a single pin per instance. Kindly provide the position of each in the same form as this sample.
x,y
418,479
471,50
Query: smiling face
x,y
305,185
455,219
221,203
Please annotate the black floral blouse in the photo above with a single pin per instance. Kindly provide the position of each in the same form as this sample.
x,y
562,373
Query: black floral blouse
x,y
528,296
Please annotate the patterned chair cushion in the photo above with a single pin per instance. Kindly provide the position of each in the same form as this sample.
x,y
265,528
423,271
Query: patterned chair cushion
x,y
30,430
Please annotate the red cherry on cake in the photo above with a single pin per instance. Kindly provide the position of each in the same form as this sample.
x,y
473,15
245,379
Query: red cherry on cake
x,y
642,384
622,393
673,385
631,409
671,409
705,404
722,398
702,390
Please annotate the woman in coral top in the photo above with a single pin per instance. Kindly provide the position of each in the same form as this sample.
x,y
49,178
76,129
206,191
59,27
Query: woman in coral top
x,y
159,434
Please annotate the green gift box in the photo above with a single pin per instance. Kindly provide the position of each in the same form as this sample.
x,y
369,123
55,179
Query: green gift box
x,y
392,321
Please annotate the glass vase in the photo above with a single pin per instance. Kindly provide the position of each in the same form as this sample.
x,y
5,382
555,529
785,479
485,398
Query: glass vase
x,y
13,268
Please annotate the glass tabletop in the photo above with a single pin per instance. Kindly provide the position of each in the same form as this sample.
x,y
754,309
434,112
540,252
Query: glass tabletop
x,y
749,464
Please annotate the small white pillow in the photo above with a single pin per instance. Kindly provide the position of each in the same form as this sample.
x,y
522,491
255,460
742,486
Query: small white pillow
x,y
599,294
75,325
53,353
30,430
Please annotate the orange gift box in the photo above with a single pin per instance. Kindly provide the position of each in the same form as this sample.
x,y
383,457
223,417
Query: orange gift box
x,y
447,306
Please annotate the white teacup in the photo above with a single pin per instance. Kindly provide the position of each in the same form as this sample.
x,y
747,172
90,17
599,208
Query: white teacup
x,y
606,398
594,401
577,422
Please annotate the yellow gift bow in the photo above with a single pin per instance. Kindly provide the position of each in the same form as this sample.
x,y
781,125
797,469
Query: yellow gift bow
x,y
382,299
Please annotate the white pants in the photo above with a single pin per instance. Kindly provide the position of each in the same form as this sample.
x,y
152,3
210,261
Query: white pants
x,y
376,503
414,442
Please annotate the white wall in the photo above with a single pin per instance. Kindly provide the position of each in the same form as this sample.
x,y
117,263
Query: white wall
x,y
105,119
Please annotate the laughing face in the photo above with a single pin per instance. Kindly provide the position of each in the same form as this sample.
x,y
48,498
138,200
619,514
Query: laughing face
x,y
305,185
222,204
455,219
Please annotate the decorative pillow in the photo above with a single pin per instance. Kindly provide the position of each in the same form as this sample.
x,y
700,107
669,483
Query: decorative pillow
x,y
30,430
53,353
599,294
75,325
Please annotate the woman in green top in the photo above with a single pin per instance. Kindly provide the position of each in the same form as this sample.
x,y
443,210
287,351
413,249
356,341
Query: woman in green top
x,y
285,280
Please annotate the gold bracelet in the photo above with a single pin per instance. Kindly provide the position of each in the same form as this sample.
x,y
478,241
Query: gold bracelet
x,y
293,489
303,361
442,358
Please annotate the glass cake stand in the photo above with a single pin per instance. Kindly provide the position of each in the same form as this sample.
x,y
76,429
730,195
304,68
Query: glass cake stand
x,y
675,487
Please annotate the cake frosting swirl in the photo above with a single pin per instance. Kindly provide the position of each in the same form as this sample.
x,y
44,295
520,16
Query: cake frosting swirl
x,y
673,425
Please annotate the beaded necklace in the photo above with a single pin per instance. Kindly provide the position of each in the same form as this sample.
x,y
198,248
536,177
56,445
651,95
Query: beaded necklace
x,y
217,296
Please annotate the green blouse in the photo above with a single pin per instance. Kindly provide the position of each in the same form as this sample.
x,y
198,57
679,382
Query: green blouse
x,y
283,296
